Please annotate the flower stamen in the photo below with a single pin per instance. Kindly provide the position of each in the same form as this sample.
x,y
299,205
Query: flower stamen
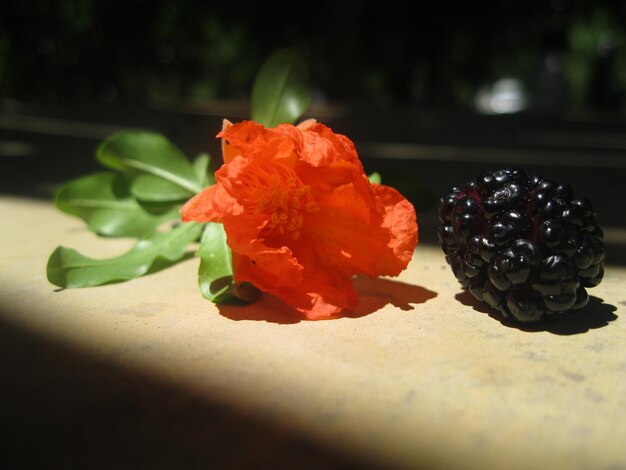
x,y
284,200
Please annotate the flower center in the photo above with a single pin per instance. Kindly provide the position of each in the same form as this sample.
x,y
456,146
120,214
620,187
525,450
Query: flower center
x,y
285,200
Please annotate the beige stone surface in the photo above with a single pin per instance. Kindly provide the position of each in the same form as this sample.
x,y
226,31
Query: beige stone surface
x,y
418,377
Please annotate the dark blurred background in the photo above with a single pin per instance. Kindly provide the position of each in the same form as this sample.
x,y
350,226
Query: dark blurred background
x,y
563,55
430,97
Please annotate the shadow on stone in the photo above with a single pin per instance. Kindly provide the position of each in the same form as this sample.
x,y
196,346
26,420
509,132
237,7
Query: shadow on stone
x,y
66,407
268,308
373,294
596,314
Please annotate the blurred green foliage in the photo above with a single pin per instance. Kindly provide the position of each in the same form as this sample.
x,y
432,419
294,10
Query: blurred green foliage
x,y
570,55
596,63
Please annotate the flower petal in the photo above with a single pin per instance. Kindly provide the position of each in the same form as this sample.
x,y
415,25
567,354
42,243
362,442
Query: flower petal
x,y
266,267
401,221
251,140
357,234
209,205
318,294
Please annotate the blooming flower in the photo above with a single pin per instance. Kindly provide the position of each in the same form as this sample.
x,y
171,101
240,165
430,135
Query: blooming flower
x,y
301,216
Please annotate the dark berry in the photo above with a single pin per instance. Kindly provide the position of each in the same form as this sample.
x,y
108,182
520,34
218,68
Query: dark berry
x,y
493,296
559,302
522,244
528,250
581,298
496,272
556,267
446,236
564,191
524,305
584,205
552,232
487,249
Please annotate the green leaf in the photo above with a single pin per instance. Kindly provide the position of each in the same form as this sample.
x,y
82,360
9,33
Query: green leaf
x,y
215,261
103,201
201,168
145,157
68,268
215,275
154,189
281,91
375,178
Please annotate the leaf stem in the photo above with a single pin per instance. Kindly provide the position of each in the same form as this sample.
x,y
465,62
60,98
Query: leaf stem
x,y
167,175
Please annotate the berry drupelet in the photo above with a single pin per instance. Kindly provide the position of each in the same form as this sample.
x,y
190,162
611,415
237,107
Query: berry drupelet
x,y
522,243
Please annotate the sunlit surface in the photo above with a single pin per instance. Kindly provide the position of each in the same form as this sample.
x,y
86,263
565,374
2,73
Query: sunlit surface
x,y
419,376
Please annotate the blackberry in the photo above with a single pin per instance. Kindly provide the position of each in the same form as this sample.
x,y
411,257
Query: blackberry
x,y
522,244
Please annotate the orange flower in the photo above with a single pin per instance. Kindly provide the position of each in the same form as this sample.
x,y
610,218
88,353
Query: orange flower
x,y
301,216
